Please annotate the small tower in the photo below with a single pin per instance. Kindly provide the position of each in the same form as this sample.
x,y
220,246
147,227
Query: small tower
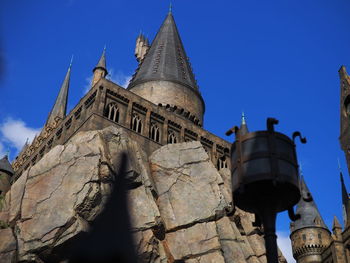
x,y
6,172
164,76
60,107
142,46
337,245
100,71
345,113
309,234
337,230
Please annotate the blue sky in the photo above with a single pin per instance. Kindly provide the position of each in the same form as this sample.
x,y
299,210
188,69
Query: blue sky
x,y
269,58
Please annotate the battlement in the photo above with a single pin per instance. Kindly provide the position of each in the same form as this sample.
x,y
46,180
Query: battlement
x,y
109,104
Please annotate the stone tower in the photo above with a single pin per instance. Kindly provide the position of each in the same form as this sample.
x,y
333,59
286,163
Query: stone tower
x,y
165,76
345,113
6,172
309,234
100,71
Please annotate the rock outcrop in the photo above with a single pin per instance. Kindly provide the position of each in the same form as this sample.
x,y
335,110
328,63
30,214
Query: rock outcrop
x,y
179,203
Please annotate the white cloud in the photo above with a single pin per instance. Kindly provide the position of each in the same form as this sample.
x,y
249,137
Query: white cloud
x,y
117,77
285,246
14,133
87,85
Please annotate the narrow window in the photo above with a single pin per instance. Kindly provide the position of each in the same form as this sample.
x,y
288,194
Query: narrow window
x,y
113,112
172,137
154,133
221,163
136,124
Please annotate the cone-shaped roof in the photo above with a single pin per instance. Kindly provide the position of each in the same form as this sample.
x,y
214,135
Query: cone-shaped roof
x,y
102,62
307,209
345,199
60,107
6,166
166,59
244,128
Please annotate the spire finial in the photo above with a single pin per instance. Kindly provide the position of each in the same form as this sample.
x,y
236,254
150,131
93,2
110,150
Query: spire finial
x,y
104,48
243,118
71,61
170,8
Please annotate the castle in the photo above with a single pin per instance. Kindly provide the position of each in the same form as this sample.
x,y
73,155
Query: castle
x,y
162,105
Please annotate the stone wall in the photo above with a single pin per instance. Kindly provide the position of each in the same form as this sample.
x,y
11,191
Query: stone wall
x,y
91,113
180,205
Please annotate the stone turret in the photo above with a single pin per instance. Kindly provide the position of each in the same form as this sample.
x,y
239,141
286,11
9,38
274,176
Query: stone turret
x,y
309,234
100,71
142,46
337,230
6,172
165,76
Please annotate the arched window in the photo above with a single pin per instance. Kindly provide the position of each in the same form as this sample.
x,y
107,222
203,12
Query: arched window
x,y
136,124
113,112
172,137
222,163
154,132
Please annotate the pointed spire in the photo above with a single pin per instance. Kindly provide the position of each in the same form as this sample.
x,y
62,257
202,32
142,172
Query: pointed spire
x,y
244,128
345,200
166,59
102,62
307,209
60,107
5,165
100,71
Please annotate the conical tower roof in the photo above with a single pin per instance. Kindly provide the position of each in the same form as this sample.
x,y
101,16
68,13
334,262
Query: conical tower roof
x,y
102,62
166,59
308,211
6,166
60,107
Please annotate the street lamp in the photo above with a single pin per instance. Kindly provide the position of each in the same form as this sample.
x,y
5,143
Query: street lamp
x,y
265,178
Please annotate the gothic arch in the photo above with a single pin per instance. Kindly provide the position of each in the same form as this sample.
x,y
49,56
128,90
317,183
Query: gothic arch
x,y
155,132
222,162
172,137
112,112
136,123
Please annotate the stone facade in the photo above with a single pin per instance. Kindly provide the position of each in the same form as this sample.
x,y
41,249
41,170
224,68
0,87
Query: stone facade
x,y
94,112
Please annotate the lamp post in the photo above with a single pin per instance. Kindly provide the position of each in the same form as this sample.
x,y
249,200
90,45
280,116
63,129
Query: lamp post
x,y
265,178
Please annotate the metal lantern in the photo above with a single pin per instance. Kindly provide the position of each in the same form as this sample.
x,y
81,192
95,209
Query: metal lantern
x,y
265,177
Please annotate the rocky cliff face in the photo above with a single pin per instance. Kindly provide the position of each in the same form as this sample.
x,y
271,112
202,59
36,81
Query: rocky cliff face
x,y
180,205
